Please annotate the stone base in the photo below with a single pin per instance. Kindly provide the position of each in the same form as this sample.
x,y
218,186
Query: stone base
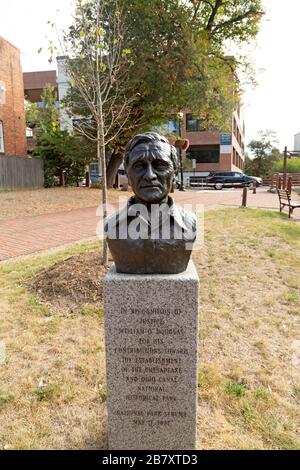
x,y
151,336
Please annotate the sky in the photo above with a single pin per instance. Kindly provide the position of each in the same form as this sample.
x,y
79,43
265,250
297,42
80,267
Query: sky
x,y
274,104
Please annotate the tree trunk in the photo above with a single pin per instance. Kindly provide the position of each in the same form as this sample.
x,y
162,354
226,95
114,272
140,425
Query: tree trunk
x,y
102,165
113,166
61,178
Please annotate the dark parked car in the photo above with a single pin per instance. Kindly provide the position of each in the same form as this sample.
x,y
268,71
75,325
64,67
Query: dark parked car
x,y
229,179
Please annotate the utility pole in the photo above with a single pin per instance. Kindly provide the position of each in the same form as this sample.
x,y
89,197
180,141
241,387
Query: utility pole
x,y
181,187
285,157
287,154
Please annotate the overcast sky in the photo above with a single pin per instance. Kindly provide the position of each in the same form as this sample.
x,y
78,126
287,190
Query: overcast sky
x,y
274,104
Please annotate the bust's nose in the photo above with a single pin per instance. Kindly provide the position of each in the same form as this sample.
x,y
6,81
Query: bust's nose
x,y
149,173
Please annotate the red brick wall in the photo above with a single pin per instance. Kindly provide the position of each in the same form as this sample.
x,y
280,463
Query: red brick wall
x,y
201,138
223,165
204,138
12,112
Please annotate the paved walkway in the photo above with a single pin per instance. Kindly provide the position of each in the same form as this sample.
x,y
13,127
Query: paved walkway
x,y
31,234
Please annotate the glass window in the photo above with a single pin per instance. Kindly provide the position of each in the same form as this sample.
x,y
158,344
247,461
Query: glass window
x,y
225,139
193,124
173,126
2,93
94,167
1,138
205,155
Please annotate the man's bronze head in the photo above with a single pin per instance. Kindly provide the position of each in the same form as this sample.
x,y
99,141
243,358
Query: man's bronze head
x,y
151,164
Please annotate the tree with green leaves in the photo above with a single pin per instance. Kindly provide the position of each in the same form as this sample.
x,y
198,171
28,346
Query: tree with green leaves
x,y
65,155
293,165
179,62
47,116
265,154
178,48
150,58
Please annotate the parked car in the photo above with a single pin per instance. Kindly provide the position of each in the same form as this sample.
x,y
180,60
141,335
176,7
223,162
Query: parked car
x,y
258,180
230,179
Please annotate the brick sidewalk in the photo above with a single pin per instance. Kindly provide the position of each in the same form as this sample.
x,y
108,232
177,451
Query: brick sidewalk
x,y
31,234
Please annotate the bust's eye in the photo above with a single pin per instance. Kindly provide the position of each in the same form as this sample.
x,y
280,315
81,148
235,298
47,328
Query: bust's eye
x,y
159,165
138,166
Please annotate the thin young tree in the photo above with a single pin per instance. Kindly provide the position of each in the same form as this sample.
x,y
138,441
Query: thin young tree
x,y
97,64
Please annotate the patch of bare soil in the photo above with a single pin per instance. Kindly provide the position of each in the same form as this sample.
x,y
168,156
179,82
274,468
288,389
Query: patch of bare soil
x,y
70,283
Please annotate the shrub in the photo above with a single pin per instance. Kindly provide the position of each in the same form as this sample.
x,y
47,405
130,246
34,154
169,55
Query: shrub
x,y
293,166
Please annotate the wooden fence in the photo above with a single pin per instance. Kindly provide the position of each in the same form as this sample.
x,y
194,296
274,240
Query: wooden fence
x,y
273,182
19,172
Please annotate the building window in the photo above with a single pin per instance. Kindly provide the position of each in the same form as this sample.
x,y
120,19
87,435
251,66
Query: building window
x,y
29,132
205,155
94,167
173,126
2,93
225,139
1,138
193,124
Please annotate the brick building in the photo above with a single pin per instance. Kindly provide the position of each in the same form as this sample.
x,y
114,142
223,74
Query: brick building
x,y
213,150
12,113
35,82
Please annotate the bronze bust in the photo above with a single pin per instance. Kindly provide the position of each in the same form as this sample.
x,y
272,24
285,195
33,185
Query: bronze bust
x,y
151,235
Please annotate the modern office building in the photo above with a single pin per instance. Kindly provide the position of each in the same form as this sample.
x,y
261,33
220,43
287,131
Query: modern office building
x,y
211,149
63,86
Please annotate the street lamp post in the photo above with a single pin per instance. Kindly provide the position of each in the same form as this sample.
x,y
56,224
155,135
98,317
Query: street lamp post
x,y
288,154
285,166
181,187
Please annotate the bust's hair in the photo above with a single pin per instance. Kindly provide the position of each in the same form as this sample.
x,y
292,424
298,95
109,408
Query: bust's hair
x,y
151,137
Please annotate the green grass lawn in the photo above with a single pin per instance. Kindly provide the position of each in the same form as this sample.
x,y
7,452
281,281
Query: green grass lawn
x,y
52,385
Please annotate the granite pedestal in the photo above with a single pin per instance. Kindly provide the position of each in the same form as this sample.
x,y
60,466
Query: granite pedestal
x,y
151,336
